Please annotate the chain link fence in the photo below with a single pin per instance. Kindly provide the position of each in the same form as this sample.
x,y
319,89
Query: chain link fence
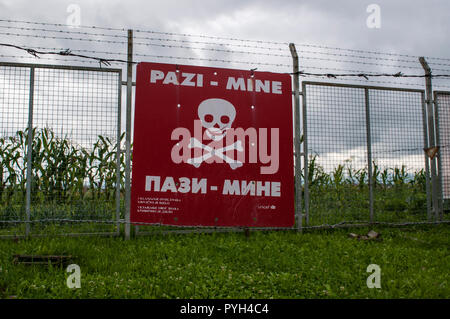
x,y
442,103
69,181
363,150
14,96
364,153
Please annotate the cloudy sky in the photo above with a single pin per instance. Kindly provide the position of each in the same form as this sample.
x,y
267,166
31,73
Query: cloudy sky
x,y
409,26
416,27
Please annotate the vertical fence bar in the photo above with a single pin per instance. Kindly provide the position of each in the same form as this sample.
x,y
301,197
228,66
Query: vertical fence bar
x,y
438,157
305,153
298,159
128,135
369,154
432,141
119,152
29,153
427,163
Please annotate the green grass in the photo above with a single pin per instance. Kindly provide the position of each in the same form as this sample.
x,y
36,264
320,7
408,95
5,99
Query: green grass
x,y
318,264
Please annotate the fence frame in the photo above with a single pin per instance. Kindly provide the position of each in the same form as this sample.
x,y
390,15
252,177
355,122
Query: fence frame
x,y
297,142
29,161
436,95
366,89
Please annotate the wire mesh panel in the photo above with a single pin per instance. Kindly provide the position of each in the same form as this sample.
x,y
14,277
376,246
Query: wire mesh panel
x,y
14,96
443,110
75,118
337,153
74,162
400,175
365,154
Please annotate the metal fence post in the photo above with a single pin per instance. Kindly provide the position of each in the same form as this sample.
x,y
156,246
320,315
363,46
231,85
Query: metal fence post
x,y
298,167
427,162
438,157
29,153
432,138
369,154
128,135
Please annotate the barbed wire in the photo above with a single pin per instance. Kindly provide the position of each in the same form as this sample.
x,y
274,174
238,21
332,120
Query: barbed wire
x,y
61,25
53,59
67,52
207,49
368,51
62,38
160,56
208,60
216,44
142,44
227,51
145,38
106,61
367,75
217,60
75,50
63,31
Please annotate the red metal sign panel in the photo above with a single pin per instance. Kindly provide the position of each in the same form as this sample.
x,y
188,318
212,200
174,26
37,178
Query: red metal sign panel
x,y
212,147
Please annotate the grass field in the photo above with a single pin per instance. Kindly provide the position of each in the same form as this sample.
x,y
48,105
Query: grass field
x,y
414,263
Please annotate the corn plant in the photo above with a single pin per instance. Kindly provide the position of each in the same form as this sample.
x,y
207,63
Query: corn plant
x,y
62,172
385,177
399,176
338,175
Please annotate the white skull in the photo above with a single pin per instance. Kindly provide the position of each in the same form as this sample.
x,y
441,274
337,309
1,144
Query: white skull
x,y
216,116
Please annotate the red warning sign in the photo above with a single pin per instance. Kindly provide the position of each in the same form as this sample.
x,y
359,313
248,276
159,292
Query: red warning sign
x,y
212,147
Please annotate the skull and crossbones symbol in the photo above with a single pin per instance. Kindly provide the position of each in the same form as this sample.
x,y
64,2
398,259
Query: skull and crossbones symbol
x,y
216,116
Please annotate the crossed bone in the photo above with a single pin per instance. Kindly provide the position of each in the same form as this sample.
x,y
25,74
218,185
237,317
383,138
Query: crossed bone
x,y
196,161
